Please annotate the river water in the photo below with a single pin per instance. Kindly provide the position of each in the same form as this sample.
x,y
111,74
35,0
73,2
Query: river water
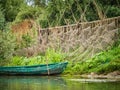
x,y
56,83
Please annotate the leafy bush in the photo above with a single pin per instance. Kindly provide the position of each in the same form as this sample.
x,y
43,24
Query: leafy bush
x,y
26,40
110,67
2,20
54,56
103,62
15,61
7,45
28,12
113,11
23,61
51,56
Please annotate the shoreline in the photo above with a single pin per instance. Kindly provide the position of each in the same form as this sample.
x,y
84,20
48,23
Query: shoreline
x,y
100,76
111,75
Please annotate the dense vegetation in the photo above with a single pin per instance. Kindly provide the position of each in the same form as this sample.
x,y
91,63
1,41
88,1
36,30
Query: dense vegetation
x,y
49,13
63,11
51,56
103,62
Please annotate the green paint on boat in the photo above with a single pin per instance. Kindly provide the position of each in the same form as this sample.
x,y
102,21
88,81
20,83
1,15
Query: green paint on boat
x,y
44,69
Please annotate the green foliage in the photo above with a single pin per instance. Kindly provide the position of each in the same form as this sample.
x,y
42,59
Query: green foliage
x,y
11,8
113,11
2,20
42,20
15,61
28,12
72,11
58,12
26,40
23,61
40,3
7,45
110,67
103,62
51,56
54,56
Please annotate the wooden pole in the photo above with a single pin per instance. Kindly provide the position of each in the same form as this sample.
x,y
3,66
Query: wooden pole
x,y
48,67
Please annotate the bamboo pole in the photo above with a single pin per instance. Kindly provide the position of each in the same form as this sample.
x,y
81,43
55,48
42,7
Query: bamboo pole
x,y
47,66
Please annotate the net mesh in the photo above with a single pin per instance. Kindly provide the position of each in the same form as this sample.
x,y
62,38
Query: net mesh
x,y
81,40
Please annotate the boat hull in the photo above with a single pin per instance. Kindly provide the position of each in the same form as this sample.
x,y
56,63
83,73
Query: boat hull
x,y
46,69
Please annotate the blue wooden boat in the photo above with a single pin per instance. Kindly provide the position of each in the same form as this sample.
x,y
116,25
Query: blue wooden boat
x,y
46,69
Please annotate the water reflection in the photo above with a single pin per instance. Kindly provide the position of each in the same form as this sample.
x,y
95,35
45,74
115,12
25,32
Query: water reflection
x,y
51,83
31,83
